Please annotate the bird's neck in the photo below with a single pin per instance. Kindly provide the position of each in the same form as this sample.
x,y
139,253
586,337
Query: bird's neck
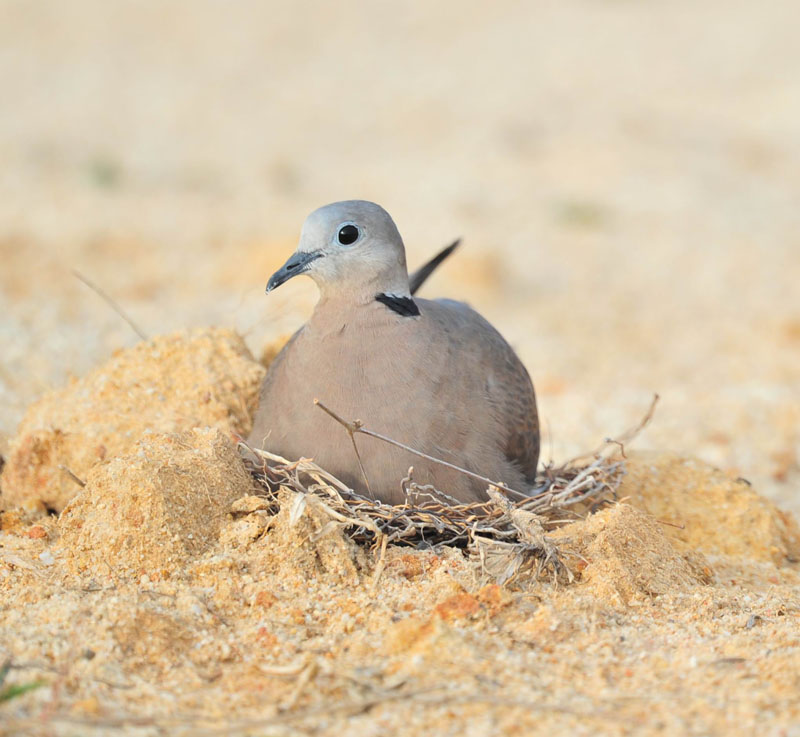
x,y
365,305
363,291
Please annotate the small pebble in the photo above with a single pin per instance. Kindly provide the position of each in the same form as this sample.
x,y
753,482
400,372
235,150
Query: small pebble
x,y
47,558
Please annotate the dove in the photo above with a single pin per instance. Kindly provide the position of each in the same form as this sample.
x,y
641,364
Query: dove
x,y
431,374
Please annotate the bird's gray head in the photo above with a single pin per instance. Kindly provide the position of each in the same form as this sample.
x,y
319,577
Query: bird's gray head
x,y
350,247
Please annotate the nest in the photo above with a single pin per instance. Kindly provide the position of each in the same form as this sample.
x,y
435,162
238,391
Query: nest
x,y
506,533
507,537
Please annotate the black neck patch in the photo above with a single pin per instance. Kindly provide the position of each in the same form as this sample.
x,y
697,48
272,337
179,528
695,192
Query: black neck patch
x,y
403,306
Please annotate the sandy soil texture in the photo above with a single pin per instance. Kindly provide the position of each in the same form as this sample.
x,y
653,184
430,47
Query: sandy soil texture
x,y
169,597
625,178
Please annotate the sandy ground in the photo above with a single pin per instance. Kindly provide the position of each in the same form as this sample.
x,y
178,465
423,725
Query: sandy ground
x,y
625,178
168,598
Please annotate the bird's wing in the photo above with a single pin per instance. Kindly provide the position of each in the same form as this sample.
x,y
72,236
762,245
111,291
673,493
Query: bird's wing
x,y
519,407
508,385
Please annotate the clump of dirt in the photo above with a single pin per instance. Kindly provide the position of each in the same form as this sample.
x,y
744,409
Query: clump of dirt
x,y
709,510
172,383
303,537
152,510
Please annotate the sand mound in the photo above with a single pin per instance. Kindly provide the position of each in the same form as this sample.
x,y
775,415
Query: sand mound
x,y
626,557
148,512
168,384
709,510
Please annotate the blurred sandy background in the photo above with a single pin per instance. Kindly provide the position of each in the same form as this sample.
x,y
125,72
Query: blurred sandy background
x,y
626,178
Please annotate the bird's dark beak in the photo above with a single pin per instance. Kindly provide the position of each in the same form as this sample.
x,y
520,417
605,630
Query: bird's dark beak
x,y
298,263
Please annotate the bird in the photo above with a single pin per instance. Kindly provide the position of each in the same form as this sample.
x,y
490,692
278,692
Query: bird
x,y
431,374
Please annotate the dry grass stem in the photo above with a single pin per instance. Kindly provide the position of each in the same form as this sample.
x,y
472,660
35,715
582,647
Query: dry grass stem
x,y
111,303
77,479
356,426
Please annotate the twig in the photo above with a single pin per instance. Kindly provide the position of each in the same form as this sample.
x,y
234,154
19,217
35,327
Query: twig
x,y
111,303
381,563
352,428
671,524
357,427
303,680
626,437
286,671
66,469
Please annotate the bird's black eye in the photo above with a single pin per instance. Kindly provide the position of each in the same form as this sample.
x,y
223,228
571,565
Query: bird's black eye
x,y
348,234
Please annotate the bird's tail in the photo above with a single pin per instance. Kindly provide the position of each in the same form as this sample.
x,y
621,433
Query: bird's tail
x,y
417,279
